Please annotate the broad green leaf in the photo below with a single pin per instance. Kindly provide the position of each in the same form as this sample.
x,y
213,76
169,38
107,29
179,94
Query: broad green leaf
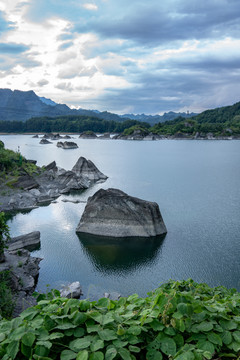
x,y
49,323
226,337
26,351
236,346
125,354
46,344
107,335
84,305
79,344
107,319
154,355
41,350
188,355
65,326
2,337
78,332
97,316
110,354
168,346
96,356
92,328
79,318
236,335
134,330
205,326
55,335
119,343
206,346
29,313
68,355
28,339
170,331
228,324
214,338
96,345
207,355
82,355
134,349
12,349
156,325
103,302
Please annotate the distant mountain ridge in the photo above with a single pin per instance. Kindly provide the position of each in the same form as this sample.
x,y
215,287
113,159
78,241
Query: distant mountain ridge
x,y
22,105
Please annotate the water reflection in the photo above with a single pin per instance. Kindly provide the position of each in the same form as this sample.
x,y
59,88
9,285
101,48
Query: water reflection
x,y
120,255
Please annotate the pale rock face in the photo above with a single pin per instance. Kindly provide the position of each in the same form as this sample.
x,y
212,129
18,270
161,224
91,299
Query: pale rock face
x,y
71,291
86,168
114,213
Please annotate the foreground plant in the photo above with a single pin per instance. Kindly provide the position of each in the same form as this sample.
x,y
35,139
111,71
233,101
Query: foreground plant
x,y
179,320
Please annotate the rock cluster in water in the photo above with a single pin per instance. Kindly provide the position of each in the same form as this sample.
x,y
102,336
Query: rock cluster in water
x,y
30,191
114,213
67,145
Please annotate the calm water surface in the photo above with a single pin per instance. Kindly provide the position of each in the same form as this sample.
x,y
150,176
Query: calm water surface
x,y
197,187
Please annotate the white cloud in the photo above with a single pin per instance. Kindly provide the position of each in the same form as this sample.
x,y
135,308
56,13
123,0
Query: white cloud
x,y
90,6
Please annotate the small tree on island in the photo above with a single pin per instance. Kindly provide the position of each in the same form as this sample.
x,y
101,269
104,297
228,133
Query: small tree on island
x,y
4,235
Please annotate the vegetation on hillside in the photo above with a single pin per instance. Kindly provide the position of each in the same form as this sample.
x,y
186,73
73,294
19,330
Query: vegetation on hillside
x,y
76,124
180,320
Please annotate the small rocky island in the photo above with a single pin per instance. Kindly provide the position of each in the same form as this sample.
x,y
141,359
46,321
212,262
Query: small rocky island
x,y
27,191
113,213
67,145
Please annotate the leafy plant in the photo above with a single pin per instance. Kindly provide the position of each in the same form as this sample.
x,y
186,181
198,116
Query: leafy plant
x,y
180,320
4,235
6,301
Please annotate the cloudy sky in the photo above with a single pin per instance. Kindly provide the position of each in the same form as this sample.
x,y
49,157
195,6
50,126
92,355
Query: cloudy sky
x,y
123,56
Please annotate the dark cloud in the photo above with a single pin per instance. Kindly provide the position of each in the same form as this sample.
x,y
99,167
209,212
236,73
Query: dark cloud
x,y
150,24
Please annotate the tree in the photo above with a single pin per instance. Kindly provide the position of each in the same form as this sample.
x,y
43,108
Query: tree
x,y
4,236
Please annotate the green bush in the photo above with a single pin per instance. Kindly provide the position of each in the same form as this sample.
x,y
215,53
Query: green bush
x,y
6,301
180,320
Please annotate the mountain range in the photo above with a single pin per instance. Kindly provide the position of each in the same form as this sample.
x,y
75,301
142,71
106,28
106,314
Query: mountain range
x,y
22,105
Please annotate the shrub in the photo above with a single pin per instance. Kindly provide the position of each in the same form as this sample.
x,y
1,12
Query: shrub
x,y
179,320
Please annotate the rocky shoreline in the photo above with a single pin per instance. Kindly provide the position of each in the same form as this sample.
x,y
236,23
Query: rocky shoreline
x,y
27,191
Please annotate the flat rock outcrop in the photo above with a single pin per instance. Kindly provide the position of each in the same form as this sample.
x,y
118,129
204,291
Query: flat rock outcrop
x,y
88,135
27,241
71,291
44,142
113,213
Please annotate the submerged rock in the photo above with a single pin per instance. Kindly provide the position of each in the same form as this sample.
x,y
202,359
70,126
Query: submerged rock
x,y
113,213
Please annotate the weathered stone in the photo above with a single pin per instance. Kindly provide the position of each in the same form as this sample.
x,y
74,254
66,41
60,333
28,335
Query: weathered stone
x,y
71,291
114,213
31,240
67,145
86,168
88,135
45,141
26,182
51,166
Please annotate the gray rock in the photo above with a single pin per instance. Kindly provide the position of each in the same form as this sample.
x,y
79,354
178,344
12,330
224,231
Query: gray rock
x,y
71,291
113,213
31,240
67,145
86,168
45,141
26,182
88,135
51,166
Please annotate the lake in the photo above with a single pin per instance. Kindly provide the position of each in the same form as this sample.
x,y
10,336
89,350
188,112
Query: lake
x,y
197,187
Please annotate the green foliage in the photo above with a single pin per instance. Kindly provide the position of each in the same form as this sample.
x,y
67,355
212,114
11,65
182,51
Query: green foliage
x,y
70,123
6,302
4,233
136,128
179,320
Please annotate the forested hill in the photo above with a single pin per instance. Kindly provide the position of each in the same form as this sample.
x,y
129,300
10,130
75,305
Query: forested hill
x,y
219,115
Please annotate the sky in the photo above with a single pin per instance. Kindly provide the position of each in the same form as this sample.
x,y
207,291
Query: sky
x,y
123,56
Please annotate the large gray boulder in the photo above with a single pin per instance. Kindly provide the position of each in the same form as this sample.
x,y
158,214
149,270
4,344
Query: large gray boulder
x,y
27,241
114,213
